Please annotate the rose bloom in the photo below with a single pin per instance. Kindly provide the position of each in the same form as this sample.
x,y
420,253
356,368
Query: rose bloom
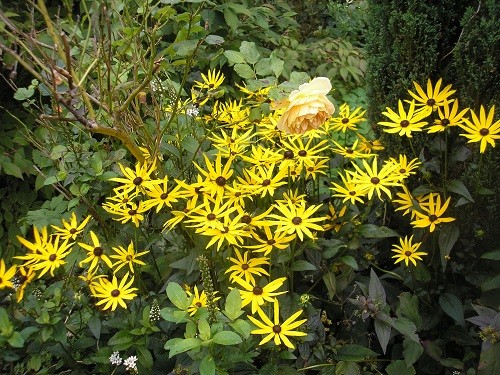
x,y
308,107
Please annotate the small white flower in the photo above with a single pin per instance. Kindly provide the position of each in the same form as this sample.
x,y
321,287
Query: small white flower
x,y
130,363
115,359
192,111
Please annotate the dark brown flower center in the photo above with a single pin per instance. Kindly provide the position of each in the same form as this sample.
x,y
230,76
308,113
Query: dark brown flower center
x,y
245,266
72,231
310,169
132,212
288,154
353,193
402,170
137,181
484,131
432,218
431,102
211,216
52,257
257,290
375,180
246,219
198,304
297,220
408,253
271,241
404,123
276,329
221,181
129,257
22,279
266,182
445,122
349,150
164,196
345,120
115,293
98,251
197,190
302,153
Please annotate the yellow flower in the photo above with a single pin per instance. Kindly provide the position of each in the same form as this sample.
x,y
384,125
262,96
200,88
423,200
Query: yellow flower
x,y
275,330
49,258
199,300
349,190
26,274
432,214
308,107
160,194
334,218
447,118
244,267
71,228
297,219
346,119
126,257
232,231
407,251
133,180
41,239
351,152
403,168
113,294
6,275
482,129
95,253
257,295
211,81
369,146
434,97
404,122
216,177
272,240
372,180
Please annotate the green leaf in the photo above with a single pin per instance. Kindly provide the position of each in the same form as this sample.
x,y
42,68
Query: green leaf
x,y
303,265
489,361
234,57
447,238
178,345
406,327
374,231
174,315
331,284
491,283
408,307
177,296
23,93
398,368
383,332
94,324
350,261
204,329
452,306
207,366
11,169
244,71
226,338
58,152
250,52
6,326
214,39
121,340
16,340
492,255
353,353
232,309
458,187
347,368
231,19
145,357
412,351
242,327
375,289
263,67
185,47
277,64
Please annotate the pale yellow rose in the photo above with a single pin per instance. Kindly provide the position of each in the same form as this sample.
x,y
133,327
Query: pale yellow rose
x,y
308,107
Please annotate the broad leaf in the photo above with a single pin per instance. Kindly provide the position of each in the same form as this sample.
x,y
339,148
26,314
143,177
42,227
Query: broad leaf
x,y
452,306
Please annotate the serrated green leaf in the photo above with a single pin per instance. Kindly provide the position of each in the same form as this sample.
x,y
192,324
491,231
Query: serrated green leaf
x,y
398,368
226,338
11,169
452,306
350,261
347,368
234,57
263,67
242,327
383,332
250,52
185,47
214,39
244,71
